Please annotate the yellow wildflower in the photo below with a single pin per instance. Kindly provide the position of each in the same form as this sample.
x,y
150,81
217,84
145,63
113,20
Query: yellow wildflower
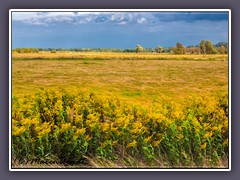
x,y
104,127
225,142
181,136
204,146
26,122
132,144
78,119
18,131
88,122
208,134
156,143
135,131
79,132
148,138
65,127
178,114
35,121
43,129
113,129
88,138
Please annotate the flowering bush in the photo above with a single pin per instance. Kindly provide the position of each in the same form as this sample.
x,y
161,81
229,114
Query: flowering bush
x,y
59,126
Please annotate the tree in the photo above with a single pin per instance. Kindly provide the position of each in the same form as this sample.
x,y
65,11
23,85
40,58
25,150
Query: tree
x,y
139,48
193,50
202,47
159,49
210,49
179,49
222,50
35,50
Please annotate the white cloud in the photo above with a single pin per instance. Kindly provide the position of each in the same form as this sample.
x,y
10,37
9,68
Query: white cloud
x,y
19,16
117,18
141,20
47,18
38,15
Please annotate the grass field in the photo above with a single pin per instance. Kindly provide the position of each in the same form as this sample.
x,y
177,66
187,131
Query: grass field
x,y
66,55
133,110
144,80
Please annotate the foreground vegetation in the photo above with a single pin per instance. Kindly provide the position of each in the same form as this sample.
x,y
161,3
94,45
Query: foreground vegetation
x,y
71,128
119,110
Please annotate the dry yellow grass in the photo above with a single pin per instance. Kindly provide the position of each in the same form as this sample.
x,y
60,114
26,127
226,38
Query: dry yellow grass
x,y
144,80
100,163
115,56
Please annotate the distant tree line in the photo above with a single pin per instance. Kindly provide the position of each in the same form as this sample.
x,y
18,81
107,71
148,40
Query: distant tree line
x,y
55,50
205,47
26,50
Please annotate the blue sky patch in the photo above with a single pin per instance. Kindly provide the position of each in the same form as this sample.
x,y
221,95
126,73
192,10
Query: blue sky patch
x,y
116,29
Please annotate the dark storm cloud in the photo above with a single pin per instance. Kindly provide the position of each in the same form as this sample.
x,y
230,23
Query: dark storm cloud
x,y
191,16
101,19
117,18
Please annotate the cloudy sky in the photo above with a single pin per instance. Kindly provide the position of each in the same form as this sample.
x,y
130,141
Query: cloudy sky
x,y
116,29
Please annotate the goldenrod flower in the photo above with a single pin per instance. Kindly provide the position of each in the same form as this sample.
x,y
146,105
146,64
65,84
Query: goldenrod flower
x,y
208,134
65,127
79,132
26,122
113,129
225,142
135,131
132,144
104,127
148,138
156,143
204,146
201,119
43,129
181,136
88,138
88,122
18,131
214,128
35,121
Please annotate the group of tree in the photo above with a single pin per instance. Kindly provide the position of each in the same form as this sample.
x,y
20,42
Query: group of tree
x,y
158,49
205,47
179,49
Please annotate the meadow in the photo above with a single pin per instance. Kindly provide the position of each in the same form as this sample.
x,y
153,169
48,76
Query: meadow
x,y
119,110
61,55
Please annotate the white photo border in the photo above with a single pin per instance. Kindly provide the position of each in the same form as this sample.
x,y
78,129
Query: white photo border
x,y
118,10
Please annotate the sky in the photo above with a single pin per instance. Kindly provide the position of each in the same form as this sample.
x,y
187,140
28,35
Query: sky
x,y
116,29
